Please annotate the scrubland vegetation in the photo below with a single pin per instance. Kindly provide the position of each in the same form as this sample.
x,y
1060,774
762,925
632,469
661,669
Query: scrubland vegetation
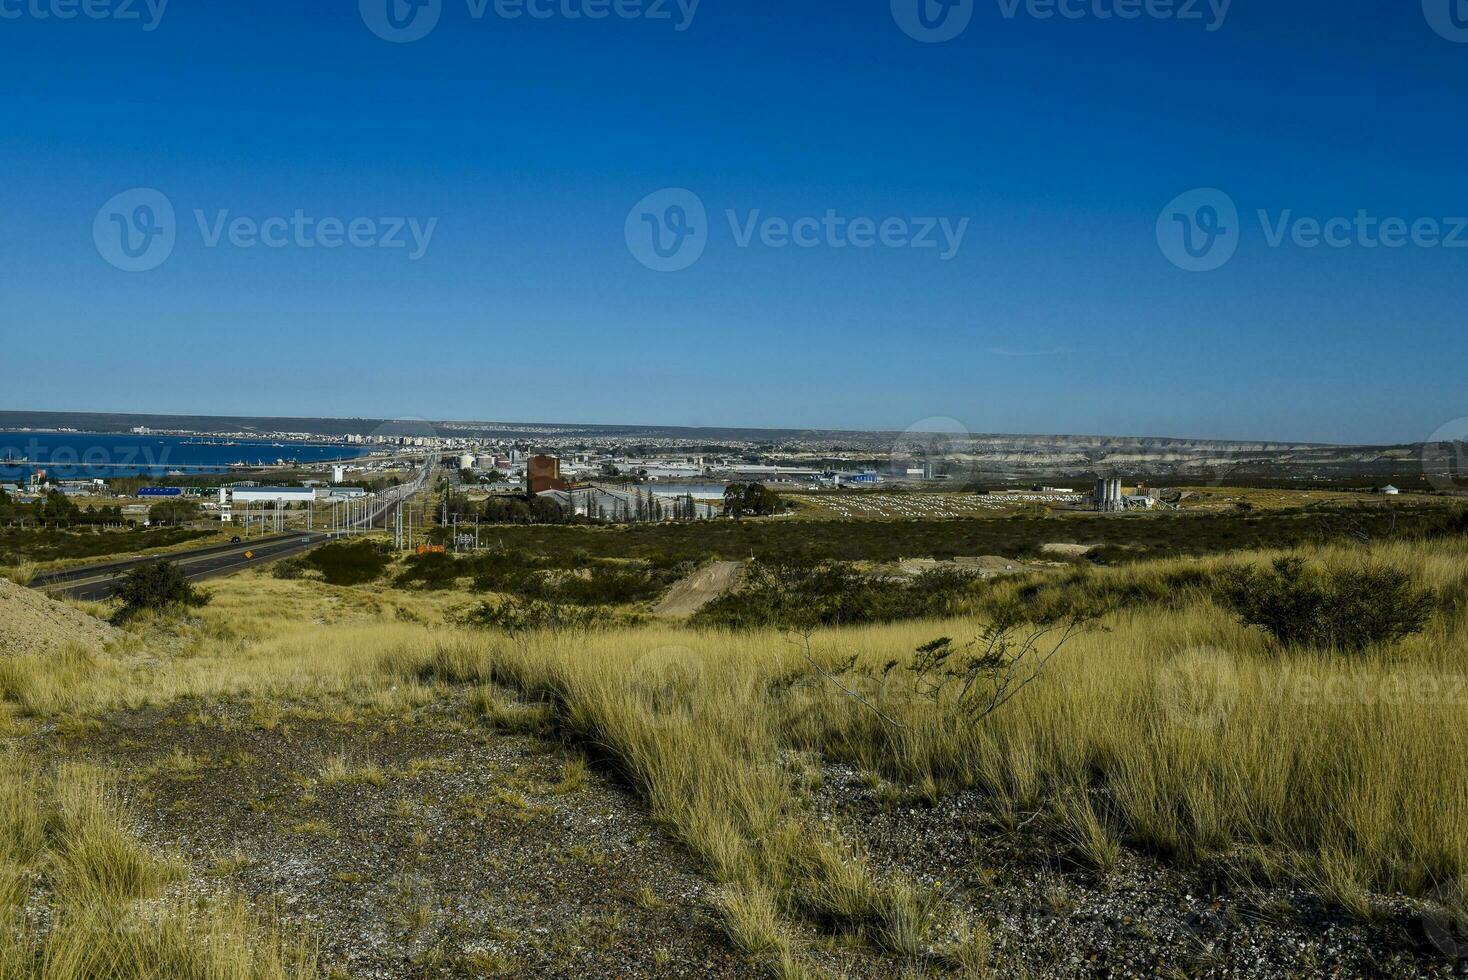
x,y
1128,538
56,545
1263,719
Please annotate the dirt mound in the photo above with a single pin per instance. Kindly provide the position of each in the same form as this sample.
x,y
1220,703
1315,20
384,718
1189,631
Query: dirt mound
x,y
1068,549
31,623
699,589
986,566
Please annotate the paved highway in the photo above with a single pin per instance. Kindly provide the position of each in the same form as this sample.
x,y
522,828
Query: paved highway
x,y
97,582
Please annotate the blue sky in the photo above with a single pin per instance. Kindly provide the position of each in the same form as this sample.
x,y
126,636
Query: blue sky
x,y
527,143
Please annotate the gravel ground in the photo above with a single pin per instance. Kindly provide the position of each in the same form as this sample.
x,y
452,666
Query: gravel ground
x,y
1051,918
463,852
448,850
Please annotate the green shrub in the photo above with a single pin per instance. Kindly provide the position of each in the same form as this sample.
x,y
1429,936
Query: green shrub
x,y
350,562
159,586
608,586
520,616
572,577
290,569
795,594
434,571
1345,609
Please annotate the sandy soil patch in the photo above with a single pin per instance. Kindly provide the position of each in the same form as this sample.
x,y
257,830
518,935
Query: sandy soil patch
x,y
699,589
31,623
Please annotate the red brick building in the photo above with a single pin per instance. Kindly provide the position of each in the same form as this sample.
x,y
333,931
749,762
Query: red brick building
x,y
544,473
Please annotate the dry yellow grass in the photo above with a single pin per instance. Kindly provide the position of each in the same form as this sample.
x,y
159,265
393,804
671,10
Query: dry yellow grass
x,y
63,843
1173,729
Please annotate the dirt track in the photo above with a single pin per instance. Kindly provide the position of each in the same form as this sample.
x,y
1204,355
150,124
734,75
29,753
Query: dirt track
x,y
699,589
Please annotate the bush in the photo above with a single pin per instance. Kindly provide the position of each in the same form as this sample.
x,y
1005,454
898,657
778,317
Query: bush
x,y
794,594
434,571
1347,609
608,587
518,616
290,569
350,562
158,585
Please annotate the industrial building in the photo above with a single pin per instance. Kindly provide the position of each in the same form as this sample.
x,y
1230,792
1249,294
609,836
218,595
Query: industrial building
x,y
544,473
1108,494
616,504
1108,497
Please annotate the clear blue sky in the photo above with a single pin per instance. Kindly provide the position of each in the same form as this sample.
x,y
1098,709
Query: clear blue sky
x,y
530,140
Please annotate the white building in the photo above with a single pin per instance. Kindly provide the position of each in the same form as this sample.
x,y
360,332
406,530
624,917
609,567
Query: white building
x,y
231,497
